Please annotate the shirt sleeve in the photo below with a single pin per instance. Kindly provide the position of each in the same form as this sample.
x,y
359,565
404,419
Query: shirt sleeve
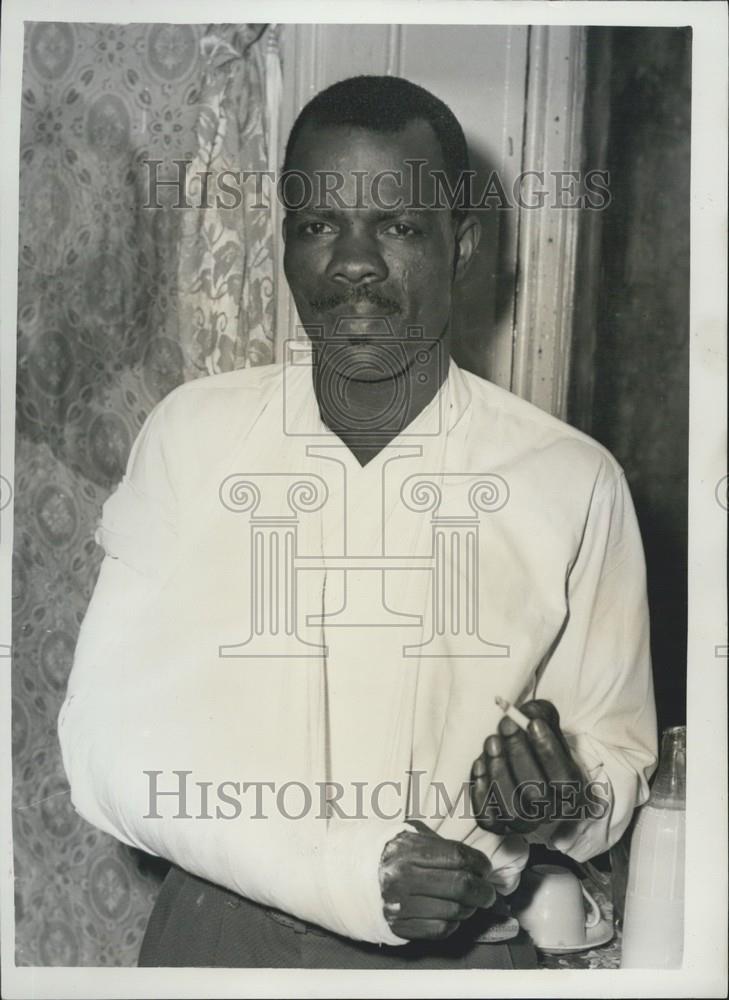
x,y
599,675
110,726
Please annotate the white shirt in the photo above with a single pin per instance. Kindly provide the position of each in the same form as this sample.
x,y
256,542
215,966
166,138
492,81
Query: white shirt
x,y
271,612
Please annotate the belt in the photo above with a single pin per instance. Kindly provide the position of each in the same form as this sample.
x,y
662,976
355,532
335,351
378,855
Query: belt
x,y
294,924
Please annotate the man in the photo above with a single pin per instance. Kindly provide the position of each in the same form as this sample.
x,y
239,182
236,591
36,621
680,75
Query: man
x,y
320,575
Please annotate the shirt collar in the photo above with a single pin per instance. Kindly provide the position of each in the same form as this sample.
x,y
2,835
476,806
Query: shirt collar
x,y
458,396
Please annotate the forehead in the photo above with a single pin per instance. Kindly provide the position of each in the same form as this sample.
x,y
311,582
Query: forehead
x,y
366,167
349,149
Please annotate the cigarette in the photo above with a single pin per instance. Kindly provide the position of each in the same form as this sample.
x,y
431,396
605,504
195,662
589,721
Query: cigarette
x,y
513,713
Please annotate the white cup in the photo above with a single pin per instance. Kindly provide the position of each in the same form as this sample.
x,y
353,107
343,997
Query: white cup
x,y
550,905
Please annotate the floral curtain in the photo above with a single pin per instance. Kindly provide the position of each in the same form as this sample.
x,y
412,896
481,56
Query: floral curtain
x,y
118,303
225,265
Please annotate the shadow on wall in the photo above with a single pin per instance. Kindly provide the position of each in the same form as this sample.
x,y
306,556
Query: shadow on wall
x,y
641,363
486,295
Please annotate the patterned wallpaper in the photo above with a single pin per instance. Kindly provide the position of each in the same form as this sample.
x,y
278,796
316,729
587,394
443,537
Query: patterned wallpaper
x,y
117,305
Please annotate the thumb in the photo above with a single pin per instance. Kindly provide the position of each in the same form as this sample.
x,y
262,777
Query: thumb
x,y
542,709
421,827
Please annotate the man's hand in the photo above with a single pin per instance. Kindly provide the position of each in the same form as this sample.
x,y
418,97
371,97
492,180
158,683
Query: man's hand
x,y
430,884
525,779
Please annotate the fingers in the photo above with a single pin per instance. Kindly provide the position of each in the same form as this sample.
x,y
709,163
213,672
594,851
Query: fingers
x,y
541,709
495,792
430,884
429,908
538,708
501,775
415,929
518,778
517,750
426,916
429,852
431,865
530,803
421,827
552,753
462,887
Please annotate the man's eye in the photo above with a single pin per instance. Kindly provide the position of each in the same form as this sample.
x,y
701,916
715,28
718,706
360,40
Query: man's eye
x,y
401,229
316,228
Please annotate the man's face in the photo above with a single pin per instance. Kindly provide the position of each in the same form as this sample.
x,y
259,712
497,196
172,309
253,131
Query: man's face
x,y
364,275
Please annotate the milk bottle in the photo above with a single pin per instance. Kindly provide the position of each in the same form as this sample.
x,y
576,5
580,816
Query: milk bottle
x,y
654,900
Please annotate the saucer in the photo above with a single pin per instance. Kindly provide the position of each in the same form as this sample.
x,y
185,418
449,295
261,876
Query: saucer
x,y
595,936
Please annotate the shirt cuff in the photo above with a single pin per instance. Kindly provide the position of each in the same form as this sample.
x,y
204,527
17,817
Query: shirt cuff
x,y
583,837
507,855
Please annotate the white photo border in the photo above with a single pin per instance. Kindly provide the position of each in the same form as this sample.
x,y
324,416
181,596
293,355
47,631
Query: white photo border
x,y
705,956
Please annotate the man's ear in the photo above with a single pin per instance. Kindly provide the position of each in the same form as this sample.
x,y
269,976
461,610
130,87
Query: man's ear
x,y
468,234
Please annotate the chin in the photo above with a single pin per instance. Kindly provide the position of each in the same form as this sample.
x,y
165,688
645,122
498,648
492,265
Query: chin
x,y
364,361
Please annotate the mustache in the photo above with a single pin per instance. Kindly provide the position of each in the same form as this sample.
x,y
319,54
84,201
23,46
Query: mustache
x,y
354,296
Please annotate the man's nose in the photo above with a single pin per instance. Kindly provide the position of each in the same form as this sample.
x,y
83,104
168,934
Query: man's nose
x,y
356,260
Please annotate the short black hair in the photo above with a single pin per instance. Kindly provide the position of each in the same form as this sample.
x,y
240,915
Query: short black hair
x,y
384,104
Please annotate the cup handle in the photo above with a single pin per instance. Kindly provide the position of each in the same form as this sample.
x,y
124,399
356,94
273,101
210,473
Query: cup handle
x,y
595,916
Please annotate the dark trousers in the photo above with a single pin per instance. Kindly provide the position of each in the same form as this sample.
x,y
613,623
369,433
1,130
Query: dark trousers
x,y
197,924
